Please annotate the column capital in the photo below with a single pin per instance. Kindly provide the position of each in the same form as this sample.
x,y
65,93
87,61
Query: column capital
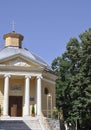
x,y
7,75
39,77
28,76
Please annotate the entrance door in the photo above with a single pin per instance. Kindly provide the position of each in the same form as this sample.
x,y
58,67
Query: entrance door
x,y
15,106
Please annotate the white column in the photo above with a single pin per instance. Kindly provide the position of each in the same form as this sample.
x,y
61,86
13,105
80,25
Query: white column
x,y
6,95
27,96
39,95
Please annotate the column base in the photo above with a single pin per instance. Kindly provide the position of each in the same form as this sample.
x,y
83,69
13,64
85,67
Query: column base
x,y
26,117
5,117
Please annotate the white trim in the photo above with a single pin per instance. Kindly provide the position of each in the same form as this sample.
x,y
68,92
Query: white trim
x,y
20,73
16,68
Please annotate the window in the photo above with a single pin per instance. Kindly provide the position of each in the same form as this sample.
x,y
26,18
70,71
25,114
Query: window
x,y
46,91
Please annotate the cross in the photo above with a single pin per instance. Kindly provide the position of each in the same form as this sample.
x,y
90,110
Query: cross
x,y
13,25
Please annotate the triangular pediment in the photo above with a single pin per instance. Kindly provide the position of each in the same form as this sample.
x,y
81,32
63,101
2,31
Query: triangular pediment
x,y
21,57
18,61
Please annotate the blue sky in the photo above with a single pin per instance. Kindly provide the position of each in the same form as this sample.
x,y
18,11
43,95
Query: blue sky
x,y
47,25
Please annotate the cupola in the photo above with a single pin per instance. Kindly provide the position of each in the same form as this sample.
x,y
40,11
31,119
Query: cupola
x,y
13,39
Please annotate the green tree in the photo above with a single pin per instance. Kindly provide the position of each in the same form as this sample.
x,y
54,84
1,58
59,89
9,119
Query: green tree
x,y
73,86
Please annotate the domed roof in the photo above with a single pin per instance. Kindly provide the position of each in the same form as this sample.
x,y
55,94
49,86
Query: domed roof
x,y
8,52
13,47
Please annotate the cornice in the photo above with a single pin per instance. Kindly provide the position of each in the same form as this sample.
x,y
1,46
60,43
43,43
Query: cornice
x,y
20,68
50,74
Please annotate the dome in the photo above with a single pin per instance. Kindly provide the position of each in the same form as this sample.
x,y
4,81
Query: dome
x,y
14,51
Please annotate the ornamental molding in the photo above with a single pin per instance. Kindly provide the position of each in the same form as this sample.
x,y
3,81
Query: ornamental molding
x,y
30,74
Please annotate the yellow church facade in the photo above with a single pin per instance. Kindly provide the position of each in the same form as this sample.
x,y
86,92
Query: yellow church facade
x,y
25,80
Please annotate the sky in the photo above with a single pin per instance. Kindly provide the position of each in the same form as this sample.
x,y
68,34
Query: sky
x,y
47,25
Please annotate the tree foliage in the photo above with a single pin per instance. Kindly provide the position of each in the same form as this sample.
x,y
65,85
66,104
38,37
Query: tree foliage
x,y
73,86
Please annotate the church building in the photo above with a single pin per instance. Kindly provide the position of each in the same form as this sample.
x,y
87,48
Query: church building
x,y
26,80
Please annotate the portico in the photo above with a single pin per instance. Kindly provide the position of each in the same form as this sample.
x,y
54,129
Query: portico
x,y
8,91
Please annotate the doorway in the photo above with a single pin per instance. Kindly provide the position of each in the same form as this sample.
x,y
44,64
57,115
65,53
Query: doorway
x,y
15,106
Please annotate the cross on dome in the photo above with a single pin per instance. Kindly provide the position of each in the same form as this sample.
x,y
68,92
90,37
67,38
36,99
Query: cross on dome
x,y
13,25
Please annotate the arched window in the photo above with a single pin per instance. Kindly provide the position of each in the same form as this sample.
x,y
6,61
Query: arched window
x,y
46,91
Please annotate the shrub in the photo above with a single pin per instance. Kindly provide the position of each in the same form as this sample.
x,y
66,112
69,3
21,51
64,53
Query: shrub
x,y
55,113
33,109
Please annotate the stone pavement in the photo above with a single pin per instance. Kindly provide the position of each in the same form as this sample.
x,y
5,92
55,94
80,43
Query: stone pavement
x,y
20,124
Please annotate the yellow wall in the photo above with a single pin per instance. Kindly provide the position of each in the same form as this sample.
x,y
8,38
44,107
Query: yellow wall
x,y
51,89
32,94
12,42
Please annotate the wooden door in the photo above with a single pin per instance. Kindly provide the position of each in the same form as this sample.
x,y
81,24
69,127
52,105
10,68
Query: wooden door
x,y
15,106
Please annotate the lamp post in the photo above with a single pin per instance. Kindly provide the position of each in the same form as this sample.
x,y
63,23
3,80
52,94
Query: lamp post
x,y
49,104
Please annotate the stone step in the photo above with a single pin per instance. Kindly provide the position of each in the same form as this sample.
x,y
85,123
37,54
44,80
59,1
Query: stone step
x,y
20,125
18,118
